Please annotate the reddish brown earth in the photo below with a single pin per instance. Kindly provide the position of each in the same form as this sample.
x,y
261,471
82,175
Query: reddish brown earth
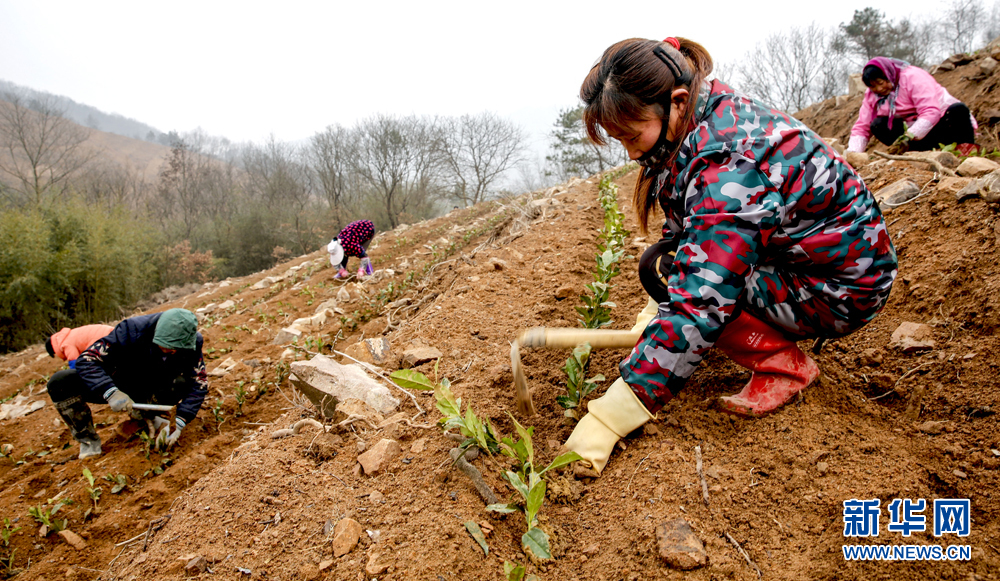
x,y
246,501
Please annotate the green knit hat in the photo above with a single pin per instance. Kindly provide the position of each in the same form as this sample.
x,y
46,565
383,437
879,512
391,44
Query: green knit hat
x,y
176,329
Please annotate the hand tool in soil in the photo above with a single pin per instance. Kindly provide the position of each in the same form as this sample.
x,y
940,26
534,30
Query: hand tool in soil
x,y
560,338
152,407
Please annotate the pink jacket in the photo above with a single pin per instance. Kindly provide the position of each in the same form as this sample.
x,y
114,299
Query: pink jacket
x,y
921,102
68,343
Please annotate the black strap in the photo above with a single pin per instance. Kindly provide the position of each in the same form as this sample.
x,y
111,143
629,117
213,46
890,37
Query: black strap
x,y
681,74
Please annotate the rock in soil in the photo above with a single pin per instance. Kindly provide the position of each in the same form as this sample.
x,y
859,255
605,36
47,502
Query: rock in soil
x,y
679,547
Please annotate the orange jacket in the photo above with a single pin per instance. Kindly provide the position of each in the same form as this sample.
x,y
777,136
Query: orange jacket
x,y
69,343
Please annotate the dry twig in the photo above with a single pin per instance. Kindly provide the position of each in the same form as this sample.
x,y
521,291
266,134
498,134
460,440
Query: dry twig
x,y
701,473
474,475
744,553
933,162
893,390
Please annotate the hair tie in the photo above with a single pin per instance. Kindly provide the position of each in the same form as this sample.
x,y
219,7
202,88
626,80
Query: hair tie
x,y
673,42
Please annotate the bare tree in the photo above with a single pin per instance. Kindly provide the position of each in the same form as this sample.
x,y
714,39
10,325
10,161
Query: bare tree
x,y
991,26
331,156
39,149
399,159
477,150
962,20
790,70
277,176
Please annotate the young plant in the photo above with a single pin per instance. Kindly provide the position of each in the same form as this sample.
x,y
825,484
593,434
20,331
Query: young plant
x,y
478,432
147,443
45,515
577,387
515,572
7,531
120,482
220,415
241,398
95,493
529,484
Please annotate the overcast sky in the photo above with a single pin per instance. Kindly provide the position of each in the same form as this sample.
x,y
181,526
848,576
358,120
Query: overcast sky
x,y
247,69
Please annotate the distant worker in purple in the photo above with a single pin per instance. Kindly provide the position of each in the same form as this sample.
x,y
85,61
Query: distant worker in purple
x,y
907,109
352,241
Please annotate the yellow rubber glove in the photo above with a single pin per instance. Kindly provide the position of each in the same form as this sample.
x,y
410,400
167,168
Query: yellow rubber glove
x,y
646,315
610,418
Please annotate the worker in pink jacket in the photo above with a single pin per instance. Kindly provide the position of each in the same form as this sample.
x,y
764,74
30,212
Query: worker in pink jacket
x,y
905,107
68,343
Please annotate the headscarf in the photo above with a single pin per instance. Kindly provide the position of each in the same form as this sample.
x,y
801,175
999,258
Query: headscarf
x,y
176,329
891,67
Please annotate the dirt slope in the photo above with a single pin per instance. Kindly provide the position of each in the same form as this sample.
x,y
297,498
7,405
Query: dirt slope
x,y
255,506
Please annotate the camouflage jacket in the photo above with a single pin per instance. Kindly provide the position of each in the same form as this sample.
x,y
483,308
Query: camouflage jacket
x,y
753,188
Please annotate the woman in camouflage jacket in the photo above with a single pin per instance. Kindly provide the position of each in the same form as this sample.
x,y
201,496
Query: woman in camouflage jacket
x,y
770,236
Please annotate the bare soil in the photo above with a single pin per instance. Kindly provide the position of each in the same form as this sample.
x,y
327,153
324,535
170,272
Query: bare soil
x,y
255,506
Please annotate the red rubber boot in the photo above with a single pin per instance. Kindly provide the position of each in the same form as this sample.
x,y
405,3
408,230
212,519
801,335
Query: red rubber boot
x,y
780,368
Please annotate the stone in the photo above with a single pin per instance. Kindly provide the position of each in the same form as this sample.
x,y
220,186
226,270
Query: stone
x,y
855,86
566,291
196,566
959,59
346,534
418,445
343,295
960,474
308,572
822,467
497,264
330,304
679,547
74,540
375,351
327,383
945,158
324,565
287,335
840,100
376,497
207,308
379,456
265,282
544,202
974,167
315,321
376,564
989,187
968,191
226,304
911,337
898,192
857,159
420,355
931,427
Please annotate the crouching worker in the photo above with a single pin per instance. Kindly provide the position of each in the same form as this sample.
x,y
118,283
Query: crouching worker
x,y
153,359
906,108
68,343
352,241
770,237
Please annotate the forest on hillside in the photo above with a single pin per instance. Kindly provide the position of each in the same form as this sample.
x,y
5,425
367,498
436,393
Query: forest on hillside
x,y
83,238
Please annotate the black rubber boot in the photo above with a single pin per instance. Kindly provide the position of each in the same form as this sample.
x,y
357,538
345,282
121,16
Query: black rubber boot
x,y
76,413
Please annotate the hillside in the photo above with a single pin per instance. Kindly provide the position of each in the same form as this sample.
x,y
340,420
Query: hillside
x,y
881,422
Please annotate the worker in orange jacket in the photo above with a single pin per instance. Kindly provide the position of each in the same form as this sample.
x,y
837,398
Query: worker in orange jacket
x,y
68,343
